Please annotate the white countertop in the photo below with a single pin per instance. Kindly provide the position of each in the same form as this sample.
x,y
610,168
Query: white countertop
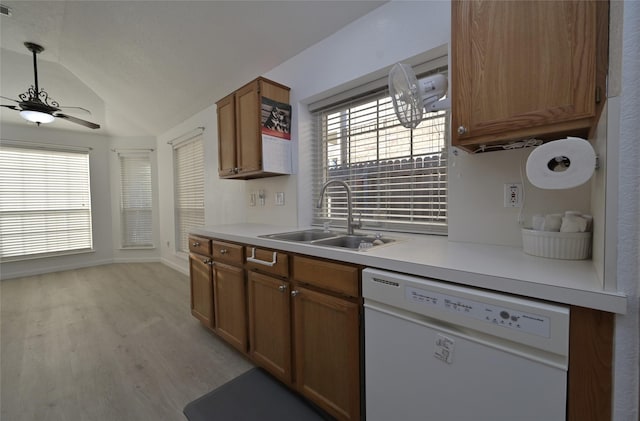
x,y
498,268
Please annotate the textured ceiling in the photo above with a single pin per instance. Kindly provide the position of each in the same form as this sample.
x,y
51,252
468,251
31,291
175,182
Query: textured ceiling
x,y
145,66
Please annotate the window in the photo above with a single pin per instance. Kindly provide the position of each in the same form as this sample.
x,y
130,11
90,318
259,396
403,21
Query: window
x,y
45,202
398,176
136,203
189,189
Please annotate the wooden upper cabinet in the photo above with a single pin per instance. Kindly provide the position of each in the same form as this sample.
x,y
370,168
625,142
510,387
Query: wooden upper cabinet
x,y
240,129
249,145
227,136
522,69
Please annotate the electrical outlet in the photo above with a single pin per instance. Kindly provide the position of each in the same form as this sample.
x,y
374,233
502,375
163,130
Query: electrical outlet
x,y
513,195
252,198
280,198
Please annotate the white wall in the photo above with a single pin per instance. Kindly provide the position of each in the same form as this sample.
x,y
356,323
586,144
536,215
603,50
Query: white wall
x,y
224,199
100,199
627,347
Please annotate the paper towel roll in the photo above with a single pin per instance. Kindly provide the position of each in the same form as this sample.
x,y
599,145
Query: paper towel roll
x,y
561,164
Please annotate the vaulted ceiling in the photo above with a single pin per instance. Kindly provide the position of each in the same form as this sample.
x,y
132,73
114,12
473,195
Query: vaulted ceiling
x,y
142,67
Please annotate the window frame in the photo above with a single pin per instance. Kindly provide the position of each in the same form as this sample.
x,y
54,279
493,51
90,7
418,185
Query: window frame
x,y
182,228
46,220
130,197
420,169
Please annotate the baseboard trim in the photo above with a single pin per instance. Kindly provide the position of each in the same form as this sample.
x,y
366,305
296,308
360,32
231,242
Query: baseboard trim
x,y
52,269
172,265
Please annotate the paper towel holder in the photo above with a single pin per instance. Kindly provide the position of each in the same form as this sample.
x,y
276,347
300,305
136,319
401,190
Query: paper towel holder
x,y
562,163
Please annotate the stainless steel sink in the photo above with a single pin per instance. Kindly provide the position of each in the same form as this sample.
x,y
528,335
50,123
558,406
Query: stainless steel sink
x,y
319,237
355,242
303,236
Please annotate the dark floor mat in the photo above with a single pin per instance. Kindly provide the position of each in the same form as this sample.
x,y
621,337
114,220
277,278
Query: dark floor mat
x,y
253,396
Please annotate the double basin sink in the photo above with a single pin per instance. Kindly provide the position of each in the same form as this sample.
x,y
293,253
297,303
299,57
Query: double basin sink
x,y
319,237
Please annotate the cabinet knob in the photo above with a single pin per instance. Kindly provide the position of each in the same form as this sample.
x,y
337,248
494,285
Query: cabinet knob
x,y
224,251
294,293
462,130
232,171
196,244
282,288
236,170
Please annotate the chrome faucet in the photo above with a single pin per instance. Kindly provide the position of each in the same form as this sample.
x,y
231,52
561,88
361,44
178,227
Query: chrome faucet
x,y
350,223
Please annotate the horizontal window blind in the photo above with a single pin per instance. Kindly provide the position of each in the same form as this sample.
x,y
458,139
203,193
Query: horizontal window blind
x,y
398,176
45,202
189,189
136,199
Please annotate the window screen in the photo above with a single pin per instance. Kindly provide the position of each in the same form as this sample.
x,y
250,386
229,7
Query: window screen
x,y
189,189
45,202
398,176
136,203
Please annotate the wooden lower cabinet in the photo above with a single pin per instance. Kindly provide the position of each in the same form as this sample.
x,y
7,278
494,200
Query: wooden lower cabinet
x,y
327,351
270,324
230,304
201,278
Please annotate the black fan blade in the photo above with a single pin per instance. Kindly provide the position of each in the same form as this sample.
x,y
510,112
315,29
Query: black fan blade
x,y
78,121
74,109
13,107
10,99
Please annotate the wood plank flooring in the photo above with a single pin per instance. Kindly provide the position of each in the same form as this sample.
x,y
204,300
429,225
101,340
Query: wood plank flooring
x,y
112,342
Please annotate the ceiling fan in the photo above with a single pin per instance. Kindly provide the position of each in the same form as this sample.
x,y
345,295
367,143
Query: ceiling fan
x,y
36,106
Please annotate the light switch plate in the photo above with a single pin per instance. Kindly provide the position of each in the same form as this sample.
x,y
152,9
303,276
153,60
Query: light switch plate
x,y
280,198
252,198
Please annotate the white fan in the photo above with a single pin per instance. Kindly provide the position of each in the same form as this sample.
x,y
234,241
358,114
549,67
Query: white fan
x,y
411,97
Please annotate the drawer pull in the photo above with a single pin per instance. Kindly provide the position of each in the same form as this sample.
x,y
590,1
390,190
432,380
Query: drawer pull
x,y
295,292
196,244
253,259
224,251
282,288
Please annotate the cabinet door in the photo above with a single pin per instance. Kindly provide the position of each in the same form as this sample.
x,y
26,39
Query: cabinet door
x,y
230,304
327,346
248,138
270,324
522,69
226,136
201,289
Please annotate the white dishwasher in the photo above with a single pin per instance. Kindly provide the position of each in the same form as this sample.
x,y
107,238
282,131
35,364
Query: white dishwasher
x,y
437,351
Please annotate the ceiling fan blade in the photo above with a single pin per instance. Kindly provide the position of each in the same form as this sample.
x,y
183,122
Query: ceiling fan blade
x,y
75,109
13,107
10,99
78,121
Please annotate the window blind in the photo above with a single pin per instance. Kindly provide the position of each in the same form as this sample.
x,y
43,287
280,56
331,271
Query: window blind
x,y
45,202
189,189
136,200
398,176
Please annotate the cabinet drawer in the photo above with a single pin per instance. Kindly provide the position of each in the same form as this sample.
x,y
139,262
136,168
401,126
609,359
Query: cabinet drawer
x,y
331,276
227,253
268,261
200,245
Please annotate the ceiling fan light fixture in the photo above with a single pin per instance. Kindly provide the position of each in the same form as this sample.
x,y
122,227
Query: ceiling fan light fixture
x,y
36,116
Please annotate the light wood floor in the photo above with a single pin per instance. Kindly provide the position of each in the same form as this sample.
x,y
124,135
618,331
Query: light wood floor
x,y
113,342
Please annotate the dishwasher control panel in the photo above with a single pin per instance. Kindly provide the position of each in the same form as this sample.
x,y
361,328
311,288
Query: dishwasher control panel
x,y
498,315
